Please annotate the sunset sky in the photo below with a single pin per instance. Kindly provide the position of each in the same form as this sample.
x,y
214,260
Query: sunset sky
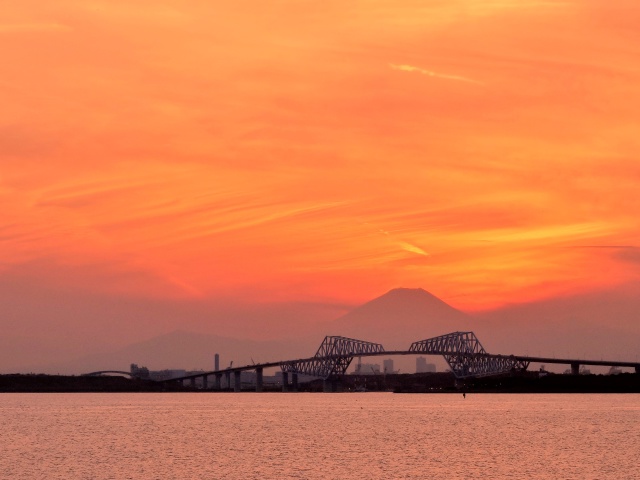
x,y
319,151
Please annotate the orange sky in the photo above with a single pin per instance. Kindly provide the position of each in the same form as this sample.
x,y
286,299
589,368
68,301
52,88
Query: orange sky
x,y
321,150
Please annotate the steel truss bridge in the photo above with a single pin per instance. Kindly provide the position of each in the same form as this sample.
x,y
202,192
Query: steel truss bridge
x,y
464,353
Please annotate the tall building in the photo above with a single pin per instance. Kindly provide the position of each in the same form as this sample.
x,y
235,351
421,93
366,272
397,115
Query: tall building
x,y
387,365
423,367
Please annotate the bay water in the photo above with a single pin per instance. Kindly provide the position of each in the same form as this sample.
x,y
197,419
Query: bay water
x,y
318,436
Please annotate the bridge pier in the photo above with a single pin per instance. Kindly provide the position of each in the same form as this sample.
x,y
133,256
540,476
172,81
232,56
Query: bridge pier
x,y
237,386
575,368
205,382
228,378
193,382
285,381
294,382
259,380
217,383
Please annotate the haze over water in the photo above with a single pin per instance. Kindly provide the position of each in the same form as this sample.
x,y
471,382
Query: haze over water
x,y
318,436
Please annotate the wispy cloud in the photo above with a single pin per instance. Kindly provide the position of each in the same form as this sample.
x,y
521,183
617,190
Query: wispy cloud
x,y
406,246
430,73
413,249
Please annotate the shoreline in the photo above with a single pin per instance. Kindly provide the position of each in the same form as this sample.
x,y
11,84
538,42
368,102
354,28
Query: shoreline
x,y
436,383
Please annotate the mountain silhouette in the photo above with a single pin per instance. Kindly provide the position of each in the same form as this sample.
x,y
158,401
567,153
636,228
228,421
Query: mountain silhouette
x,y
400,317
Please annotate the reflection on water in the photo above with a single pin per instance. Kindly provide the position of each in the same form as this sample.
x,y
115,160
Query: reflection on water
x,y
318,436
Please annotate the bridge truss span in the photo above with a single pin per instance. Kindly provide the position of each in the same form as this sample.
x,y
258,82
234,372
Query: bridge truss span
x,y
466,356
333,357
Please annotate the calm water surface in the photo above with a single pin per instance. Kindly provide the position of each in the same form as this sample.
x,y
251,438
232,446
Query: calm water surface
x,y
318,436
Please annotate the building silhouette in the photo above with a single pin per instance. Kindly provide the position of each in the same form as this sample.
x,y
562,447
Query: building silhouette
x,y
387,366
423,367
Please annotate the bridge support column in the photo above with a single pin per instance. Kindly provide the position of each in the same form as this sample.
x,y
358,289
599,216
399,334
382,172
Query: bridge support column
x,y
205,382
193,382
227,376
236,381
575,369
285,381
294,382
259,380
217,383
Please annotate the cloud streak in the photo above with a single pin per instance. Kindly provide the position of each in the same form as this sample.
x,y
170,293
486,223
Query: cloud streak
x,y
430,73
413,249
